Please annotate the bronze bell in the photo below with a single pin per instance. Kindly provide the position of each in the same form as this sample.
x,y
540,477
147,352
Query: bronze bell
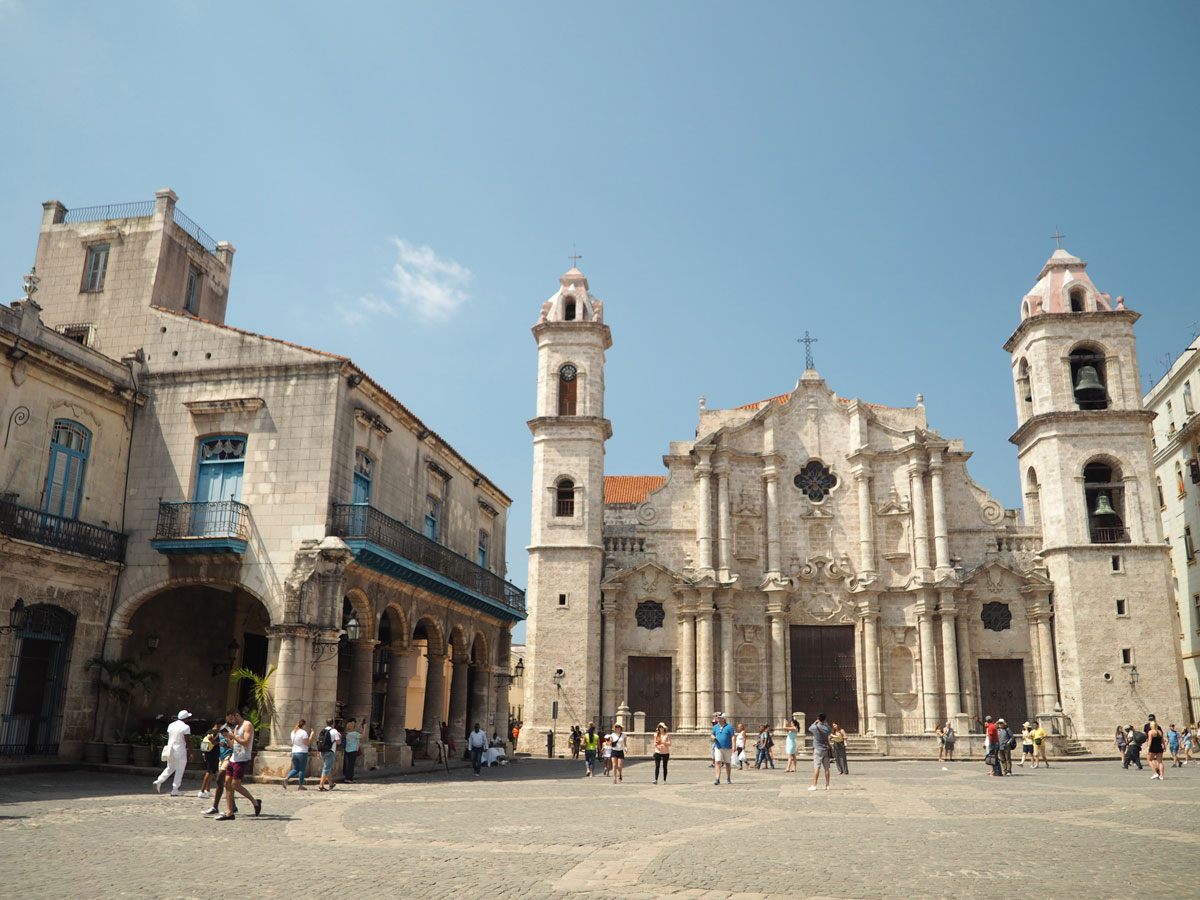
x,y
1088,386
1104,506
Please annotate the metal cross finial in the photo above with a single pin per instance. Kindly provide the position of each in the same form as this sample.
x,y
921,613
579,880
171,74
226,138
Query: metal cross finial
x,y
574,258
807,342
1057,236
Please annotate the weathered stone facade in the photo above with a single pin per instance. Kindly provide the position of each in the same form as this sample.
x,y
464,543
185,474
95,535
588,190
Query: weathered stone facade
x,y
815,553
284,511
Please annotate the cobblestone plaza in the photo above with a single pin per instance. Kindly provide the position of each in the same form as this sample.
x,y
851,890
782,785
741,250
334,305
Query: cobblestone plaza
x,y
537,829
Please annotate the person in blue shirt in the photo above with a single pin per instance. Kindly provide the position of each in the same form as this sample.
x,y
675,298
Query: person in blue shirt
x,y
1173,745
722,737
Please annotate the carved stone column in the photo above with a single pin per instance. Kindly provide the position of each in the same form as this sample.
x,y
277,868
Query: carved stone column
x,y
479,703
396,704
435,695
723,520
916,474
458,700
608,682
704,654
777,613
728,687
291,684
704,554
869,612
866,522
950,656
965,665
362,670
941,537
1042,642
771,480
928,661
687,668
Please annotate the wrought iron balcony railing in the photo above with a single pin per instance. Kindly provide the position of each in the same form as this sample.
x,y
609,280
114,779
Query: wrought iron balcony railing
x,y
365,522
39,527
203,519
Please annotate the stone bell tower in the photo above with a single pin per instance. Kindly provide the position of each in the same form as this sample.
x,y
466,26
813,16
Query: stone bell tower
x,y
1084,452
566,547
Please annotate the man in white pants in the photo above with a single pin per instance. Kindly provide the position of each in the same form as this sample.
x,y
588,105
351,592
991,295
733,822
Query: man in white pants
x,y
177,753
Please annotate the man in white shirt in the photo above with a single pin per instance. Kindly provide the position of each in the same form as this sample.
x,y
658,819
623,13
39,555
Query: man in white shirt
x,y
177,753
477,742
242,741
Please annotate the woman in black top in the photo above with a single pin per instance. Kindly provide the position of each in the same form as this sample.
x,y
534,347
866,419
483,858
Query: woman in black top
x,y
1156,740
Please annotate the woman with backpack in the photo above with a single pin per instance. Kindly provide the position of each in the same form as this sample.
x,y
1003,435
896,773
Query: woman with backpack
x,y
300,741
327,744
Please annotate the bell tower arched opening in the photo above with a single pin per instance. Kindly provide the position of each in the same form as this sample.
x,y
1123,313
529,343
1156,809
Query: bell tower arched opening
x,y
1089,378
1104,496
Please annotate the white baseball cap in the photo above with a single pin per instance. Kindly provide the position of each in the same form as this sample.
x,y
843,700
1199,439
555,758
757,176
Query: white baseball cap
x,y
183,714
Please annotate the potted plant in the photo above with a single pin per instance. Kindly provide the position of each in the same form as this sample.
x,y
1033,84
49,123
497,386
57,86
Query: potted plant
x,y
120,752
144,750
117,680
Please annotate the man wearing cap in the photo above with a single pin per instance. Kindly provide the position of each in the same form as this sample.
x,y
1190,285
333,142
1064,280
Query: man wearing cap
x,y
176,752
722,737
1004,735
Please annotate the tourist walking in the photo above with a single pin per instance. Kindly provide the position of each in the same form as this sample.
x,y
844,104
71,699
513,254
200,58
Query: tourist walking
x,y
739,745
837,742
1186,740
477,742
576,741
1173,746
662,750
1133,747
591,746
1156,745
941,742
301,738
1118,742
350,743
210,750
1007,743
760,747
1039,745
606,754
948,739
225,752
820,733
327,744
242,741
789,746
175,753
722,740
617,739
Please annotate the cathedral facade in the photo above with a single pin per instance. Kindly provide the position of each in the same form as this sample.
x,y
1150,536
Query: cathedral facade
x,y
814,553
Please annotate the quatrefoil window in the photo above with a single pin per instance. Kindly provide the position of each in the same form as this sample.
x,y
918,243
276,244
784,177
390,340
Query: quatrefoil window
x,y
815,480
649,614
996,616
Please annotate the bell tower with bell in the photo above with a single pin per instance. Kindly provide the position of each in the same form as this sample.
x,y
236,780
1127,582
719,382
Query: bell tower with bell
x,y
1084,450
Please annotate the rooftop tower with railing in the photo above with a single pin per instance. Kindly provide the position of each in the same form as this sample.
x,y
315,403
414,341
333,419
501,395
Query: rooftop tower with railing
x,y
1083,442
102,267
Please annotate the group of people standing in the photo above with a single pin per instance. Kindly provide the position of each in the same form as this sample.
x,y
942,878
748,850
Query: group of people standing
x,y
1000,742
1158,742
729,743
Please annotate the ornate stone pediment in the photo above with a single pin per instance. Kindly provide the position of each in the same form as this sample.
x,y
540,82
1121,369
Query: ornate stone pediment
x,y
894,506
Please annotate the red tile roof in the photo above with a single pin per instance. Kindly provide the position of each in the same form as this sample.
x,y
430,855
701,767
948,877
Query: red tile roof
x,y
784,398
630,488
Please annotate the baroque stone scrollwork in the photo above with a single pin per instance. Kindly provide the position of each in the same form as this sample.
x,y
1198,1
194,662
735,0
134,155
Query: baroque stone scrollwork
x,y
996,616
992,512
647,514
649,614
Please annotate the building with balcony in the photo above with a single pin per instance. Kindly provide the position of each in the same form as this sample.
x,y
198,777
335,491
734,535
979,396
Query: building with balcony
x,y
1176,442
284,513
66,413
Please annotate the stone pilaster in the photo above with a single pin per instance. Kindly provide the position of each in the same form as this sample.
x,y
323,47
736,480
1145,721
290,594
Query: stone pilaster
x,y
722,469
777,614
929,699
435,695
941,537
953,695
362,662
916,473
687,668
869,613
771,482
704,554
704,654
458,699
728,687
396,704
866,523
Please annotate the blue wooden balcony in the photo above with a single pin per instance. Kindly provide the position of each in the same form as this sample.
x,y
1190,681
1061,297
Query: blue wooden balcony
x,y
71,535
390,547
205,528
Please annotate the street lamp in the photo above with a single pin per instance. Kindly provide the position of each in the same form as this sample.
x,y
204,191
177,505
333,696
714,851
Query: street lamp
x,y
1133,676
353,628
16,618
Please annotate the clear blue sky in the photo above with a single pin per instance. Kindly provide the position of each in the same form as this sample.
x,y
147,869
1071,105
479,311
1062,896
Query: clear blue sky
x,y
884,175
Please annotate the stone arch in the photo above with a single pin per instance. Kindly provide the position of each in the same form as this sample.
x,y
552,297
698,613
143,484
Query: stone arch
x,y
458,639
128,606
361,604
398,622
1094,354
480,649
434,636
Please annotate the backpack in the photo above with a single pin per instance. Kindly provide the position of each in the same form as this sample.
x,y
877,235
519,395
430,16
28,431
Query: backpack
x,y
1012,743
324,741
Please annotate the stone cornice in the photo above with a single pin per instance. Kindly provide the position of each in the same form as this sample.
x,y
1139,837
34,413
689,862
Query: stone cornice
x,y
1076,415
1049,317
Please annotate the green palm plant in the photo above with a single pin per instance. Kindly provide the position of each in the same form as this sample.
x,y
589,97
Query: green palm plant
x,y
260,693
118,680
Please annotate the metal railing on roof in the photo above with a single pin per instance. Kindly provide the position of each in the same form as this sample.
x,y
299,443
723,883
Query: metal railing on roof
x,y
190,227
139,209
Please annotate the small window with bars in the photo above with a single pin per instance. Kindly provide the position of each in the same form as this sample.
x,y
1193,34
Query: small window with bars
x,y
564,498
82,334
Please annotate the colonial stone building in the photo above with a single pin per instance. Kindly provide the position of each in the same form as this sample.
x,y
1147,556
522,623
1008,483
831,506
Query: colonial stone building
x,y
284,511
812,552
1176,446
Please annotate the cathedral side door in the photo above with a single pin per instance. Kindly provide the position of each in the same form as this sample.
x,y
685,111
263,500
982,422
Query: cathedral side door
x,y
823,674
650,688
1002,690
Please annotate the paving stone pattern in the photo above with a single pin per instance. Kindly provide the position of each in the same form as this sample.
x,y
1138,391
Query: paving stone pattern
x,y
536,829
